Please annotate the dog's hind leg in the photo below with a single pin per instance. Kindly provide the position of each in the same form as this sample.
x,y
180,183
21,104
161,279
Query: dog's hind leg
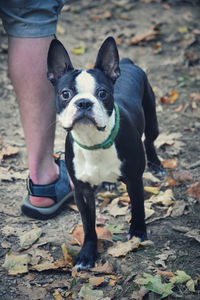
x,y
151,130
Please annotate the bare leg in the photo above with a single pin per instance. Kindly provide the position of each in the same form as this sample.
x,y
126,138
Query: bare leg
x,y
27,68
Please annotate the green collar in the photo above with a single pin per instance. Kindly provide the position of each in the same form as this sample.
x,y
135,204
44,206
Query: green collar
x,y
110,140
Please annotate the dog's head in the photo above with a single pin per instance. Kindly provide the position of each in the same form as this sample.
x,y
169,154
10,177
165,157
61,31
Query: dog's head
x,y
84,97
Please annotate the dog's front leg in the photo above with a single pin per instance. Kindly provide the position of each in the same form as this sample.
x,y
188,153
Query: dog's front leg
x,y
136,193
86,204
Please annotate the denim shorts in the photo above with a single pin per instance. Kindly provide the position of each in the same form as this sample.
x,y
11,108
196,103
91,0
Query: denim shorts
x,y
30,18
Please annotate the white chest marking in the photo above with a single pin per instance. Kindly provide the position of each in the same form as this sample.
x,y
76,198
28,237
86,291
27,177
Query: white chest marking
x,y
96,166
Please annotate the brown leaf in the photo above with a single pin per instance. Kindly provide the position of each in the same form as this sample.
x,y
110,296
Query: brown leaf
x,y
195,96
106,268
138,38
102,233
121,249
115,210
171,163
182,176
57,295
194,190
194,233
165,273
152,189
67,257
96,280
58,264
8,151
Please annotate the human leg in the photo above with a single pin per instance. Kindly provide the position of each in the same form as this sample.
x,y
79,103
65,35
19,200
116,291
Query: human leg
x,y
36,99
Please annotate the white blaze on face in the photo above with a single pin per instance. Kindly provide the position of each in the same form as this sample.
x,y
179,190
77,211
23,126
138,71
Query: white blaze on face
x,y
86,88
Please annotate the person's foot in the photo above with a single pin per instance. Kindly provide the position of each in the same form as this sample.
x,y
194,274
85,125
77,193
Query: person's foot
x,y
48,178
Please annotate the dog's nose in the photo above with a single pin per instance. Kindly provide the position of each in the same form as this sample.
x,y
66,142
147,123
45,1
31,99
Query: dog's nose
x,y
84,104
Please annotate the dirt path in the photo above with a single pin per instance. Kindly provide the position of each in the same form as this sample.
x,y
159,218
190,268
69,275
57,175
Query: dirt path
x,y
163,37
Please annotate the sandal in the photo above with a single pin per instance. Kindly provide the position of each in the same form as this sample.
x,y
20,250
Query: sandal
x,y
60,191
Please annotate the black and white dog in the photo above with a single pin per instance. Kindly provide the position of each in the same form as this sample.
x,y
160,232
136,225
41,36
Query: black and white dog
x,y
105,111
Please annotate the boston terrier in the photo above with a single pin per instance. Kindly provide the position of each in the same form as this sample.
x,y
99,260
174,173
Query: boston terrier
x,y
105,111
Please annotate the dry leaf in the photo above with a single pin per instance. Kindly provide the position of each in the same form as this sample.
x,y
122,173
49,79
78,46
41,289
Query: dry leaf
x,y
194,190
152,190
105,268
121,249
178,209
148,36
8,151
167,139
195,96
149,212
163,198
57,295
150,177
16,264
195,234
170,163
67,257
58,264
114,209
96,280
102,233
165,273
73,206
27,239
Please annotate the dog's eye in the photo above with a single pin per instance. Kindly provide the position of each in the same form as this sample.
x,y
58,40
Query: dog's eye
x,y
66,95
102,94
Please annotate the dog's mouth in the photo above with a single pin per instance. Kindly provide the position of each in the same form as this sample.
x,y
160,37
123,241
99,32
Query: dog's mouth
x,y
85,119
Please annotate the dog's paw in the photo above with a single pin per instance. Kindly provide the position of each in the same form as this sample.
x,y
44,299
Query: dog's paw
x,y
157,170
87,256
139,234
109,186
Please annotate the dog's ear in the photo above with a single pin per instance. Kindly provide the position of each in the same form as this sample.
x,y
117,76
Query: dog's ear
x,y
58,61
108,59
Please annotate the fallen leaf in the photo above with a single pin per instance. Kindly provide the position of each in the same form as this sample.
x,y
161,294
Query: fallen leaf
x,y
179,208
183,29
121,249
58,264
67,257
195,234
8,151
165,273
96,280
173,95
194,190
154,284
73,206
163,198
170,163
152,190
149,212
57,295
27,239
195,96
150,177
78,50
139,295
148,36
88,294
167,139
16,264
102,233
106,268
115,210
180,277
191,285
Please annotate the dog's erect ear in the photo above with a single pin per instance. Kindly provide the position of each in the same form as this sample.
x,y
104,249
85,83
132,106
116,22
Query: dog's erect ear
x,y
108,59
58,61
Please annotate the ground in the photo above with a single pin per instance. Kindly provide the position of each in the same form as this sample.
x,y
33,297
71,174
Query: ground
x,y
169,53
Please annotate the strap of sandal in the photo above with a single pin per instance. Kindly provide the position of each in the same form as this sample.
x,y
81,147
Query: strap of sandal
x,y
37,190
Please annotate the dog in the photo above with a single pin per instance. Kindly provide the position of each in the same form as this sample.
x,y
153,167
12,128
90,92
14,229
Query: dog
x,y
105,111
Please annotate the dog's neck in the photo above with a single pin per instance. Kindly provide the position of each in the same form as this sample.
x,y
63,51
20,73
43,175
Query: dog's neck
x,y
90,135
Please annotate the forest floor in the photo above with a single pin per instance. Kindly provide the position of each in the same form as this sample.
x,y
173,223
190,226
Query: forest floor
x,y
163,38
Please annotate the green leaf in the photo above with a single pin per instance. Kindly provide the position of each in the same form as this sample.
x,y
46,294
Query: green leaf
x,y
154,284
115,229
88,294
190,285
181,277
